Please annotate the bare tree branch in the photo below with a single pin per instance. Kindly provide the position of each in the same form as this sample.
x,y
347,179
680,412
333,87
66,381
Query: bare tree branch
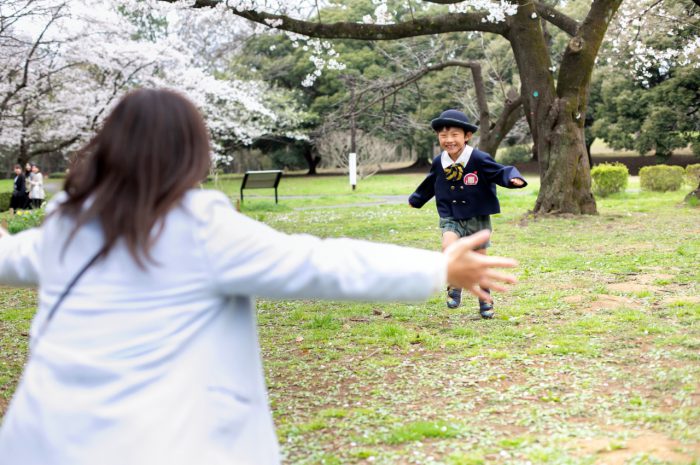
x,y
28,60
52,148
491,135
557,18
350,30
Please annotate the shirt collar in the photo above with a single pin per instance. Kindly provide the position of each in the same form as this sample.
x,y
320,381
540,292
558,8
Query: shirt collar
x,y
463,157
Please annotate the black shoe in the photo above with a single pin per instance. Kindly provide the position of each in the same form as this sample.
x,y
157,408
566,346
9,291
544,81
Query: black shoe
x,y
454,297
485,308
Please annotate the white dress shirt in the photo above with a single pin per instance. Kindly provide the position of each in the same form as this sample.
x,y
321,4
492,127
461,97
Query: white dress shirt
x,y
463,158
162,365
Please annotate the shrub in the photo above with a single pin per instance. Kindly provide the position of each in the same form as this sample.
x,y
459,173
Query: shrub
x,y
25,219
5,198
661,178
58,175
609,178
692,174
514,154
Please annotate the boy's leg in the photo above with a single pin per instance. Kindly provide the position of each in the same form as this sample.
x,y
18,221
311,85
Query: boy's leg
x,y
454,294
485,308
474,225
448,238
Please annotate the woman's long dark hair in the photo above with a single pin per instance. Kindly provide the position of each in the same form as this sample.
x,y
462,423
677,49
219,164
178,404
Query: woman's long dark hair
x,y
151,149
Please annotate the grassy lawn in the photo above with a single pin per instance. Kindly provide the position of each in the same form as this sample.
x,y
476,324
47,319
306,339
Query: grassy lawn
x,y
594,357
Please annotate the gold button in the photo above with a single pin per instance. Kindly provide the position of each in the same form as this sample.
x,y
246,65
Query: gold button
x,y
452,187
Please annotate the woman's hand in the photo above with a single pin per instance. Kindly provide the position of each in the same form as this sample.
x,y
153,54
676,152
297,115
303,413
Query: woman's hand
x,y
3,232
473,271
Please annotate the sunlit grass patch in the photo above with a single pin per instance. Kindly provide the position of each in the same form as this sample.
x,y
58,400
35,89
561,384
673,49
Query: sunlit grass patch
x,y
470,458
326,321
418,431
334,413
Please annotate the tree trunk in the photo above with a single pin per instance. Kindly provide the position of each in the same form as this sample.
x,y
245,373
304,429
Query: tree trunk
x,y
565,175
565,172
312,160
557,113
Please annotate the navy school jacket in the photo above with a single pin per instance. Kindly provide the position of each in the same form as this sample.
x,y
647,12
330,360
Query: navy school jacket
x,y
472,195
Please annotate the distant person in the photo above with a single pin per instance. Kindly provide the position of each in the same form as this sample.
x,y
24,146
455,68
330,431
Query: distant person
x,y
144,349
463,179
36,187
27,171
19,191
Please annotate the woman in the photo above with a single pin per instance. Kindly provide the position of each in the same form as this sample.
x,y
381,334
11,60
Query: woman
x,y
152,357
19,191
36,187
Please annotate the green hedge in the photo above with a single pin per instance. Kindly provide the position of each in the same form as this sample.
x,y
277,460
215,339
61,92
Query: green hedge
x,y
5,198
661,178
692,174
514,154
609,178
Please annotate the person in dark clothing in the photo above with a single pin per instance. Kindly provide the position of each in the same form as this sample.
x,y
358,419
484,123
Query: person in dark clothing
x,y
19,192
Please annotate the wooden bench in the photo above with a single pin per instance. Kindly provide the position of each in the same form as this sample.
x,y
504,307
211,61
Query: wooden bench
x,y
268,179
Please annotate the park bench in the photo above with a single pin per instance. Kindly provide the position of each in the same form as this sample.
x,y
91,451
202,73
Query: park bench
x,y
268,179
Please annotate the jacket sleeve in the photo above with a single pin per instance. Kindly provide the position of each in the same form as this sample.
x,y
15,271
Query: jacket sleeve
x,y
249,258
425,191
500,174
21,186
19,259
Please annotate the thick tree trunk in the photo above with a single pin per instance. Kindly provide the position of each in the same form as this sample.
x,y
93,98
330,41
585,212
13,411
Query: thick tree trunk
x,y
565,177
312,162
565,172
556,113
311,158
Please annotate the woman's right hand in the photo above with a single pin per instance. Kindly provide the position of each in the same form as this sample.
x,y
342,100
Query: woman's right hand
x,y
473,271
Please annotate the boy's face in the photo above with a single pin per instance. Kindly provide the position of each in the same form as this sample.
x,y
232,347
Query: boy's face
x,y
452,140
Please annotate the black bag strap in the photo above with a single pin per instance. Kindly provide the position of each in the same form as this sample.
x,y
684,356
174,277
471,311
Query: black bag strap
x,y
66,291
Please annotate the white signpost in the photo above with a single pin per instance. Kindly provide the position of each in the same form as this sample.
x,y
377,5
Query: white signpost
x,y
352,165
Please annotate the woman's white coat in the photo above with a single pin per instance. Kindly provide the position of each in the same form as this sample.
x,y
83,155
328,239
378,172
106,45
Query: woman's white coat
x,y
162,365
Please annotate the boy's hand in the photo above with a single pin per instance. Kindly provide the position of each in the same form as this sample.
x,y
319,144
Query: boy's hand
x,y
474,271
517,182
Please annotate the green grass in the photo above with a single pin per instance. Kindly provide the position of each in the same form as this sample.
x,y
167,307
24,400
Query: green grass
x,y
600,338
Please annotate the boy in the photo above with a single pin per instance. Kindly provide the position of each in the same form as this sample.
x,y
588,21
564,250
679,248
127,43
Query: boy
x,y
462,180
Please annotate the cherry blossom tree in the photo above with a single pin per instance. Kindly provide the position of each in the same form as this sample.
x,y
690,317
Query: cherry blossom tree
x,y
68,63
649,38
